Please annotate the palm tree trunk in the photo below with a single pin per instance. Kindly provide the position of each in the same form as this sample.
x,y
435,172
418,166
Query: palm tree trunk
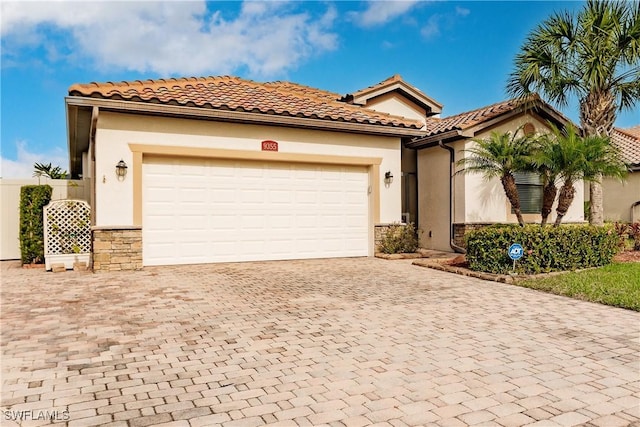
x,y
511,190
596,195
597,117
567,192
548,197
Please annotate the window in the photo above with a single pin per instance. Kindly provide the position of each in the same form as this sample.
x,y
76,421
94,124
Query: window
x,y
530,192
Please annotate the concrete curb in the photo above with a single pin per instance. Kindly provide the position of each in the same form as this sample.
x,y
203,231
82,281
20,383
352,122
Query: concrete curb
x,y
501,278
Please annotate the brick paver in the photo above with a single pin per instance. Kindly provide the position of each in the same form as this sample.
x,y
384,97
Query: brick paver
x,y
350,342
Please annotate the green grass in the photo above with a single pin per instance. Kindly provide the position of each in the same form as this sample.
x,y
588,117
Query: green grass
x,y
616,284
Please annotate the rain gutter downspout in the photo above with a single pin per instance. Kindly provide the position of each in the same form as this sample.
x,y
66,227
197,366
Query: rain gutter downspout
x,y
452,160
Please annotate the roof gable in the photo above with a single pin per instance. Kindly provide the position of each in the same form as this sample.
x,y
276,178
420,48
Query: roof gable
x,y
470,123
396,84
236,94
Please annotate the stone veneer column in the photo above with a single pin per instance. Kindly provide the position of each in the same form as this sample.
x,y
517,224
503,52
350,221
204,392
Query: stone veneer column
x,y
461,229
378,233
117,248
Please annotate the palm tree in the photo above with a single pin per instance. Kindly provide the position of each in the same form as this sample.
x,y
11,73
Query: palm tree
x,y
594,56
53,172
499,156
569,157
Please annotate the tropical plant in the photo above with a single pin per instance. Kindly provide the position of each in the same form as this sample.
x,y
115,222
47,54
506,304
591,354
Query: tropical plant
x,y
568,157
594,56
53,172
499,156
543,161
33,198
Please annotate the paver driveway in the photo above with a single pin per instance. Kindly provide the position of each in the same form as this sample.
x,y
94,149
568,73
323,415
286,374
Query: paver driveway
x,y
339,342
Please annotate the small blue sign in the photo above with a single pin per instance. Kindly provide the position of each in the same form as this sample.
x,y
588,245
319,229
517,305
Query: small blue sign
x,y
516,251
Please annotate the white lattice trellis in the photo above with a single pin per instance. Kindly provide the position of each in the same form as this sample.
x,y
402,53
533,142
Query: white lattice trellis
x,y
67,227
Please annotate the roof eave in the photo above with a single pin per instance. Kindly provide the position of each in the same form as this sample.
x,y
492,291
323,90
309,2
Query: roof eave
x,y
433,140
242,117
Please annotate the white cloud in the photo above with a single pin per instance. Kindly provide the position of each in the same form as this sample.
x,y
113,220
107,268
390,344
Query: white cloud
x,y
438,23
432,28
462,11
22,166
173,37
381,12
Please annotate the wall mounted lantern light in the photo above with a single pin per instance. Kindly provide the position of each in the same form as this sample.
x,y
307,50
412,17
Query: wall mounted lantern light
x,y
121,170
388,177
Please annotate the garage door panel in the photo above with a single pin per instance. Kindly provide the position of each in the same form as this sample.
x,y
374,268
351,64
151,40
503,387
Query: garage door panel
x,y
197,211
248,222
196,223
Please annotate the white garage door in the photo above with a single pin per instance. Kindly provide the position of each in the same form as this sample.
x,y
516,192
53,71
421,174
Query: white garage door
x,y
200,211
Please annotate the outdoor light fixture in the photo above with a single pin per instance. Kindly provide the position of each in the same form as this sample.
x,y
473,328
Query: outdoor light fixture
x,y
121,170
388,177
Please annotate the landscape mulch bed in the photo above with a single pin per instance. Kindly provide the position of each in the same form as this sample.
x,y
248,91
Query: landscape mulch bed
x,y
627,256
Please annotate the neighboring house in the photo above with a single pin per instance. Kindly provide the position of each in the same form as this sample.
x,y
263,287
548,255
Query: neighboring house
x,y
622,199
226,169
450,204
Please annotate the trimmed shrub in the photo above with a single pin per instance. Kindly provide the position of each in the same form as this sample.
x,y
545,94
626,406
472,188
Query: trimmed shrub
x,y
546,249
33,198
399,238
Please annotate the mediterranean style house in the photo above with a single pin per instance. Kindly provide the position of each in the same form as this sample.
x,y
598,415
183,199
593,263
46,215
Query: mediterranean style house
x,y
215,169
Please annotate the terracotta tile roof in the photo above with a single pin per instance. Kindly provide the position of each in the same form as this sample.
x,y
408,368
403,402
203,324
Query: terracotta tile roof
x,y
468,119
472,118
233,93
628,142
633,131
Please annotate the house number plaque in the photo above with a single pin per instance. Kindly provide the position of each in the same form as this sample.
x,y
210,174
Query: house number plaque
x,y
269,146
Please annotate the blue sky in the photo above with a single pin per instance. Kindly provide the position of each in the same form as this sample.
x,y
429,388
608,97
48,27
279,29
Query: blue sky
x,y
459,53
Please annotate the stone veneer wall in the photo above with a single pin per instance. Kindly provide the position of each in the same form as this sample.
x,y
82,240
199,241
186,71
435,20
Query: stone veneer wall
x,y
117,248
378,233
459,231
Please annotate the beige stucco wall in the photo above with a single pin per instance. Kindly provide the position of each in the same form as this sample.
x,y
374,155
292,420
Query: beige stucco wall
x,y
618,198
10,207
395,104
433,198
485,201
114,199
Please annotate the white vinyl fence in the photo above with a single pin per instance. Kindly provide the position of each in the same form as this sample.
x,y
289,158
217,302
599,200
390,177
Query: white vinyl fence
x,y
10,207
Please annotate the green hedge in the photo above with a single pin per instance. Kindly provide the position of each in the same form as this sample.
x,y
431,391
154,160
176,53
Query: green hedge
x,y
546,249
32,199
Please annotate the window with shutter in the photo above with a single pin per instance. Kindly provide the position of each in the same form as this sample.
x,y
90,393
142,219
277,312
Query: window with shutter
x,y
530,192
